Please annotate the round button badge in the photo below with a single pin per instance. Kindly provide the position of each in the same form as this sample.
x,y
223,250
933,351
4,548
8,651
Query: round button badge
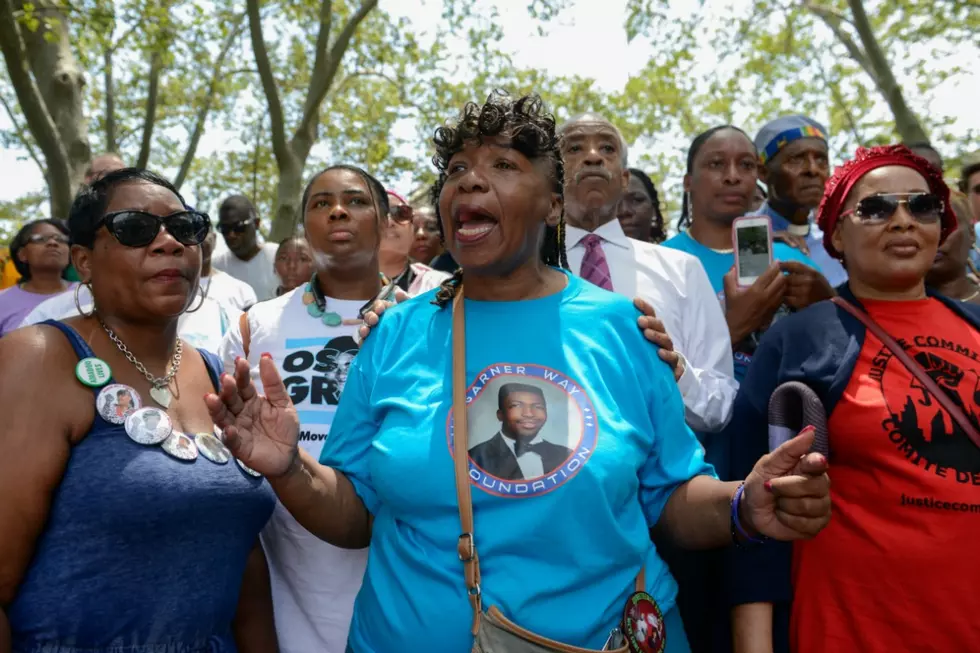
x,y
93,372
116,402
212,448
149,426
180,446
643,624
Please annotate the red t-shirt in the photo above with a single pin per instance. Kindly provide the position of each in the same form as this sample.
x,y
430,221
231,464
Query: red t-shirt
x,y
898,568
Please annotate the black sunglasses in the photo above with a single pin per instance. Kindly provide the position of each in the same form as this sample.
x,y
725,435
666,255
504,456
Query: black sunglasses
x,y
234,227
139,228
925,208
401,214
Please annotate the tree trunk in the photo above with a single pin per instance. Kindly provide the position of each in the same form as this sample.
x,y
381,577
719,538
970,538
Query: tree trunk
x,y
289,193
62,84
150,117
906,122
51,98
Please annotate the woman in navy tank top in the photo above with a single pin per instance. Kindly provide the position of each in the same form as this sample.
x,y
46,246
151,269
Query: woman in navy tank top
x,y
126,525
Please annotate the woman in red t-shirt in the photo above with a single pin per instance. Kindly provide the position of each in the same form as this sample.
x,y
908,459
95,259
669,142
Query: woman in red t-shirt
x,y
896,569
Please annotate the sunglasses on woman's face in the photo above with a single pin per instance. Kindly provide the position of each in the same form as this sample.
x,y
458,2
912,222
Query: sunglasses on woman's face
x,y
925,208
401,214
139,228
43,239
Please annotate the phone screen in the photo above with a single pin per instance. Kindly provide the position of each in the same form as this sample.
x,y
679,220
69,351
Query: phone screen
x,y
753,250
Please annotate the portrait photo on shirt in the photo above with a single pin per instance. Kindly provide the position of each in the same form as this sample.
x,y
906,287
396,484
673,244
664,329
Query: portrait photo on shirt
x,y
116,403
522,428
148,426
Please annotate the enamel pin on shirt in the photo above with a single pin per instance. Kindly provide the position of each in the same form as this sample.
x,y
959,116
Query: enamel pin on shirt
x,y
643,624
116,402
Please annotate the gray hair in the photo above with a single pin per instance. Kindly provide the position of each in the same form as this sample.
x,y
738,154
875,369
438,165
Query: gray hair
x,y
598,118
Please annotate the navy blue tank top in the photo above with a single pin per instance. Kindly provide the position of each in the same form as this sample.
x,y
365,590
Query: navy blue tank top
x,y
141,553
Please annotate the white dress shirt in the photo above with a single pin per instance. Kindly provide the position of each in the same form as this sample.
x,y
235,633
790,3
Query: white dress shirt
x,y
677,287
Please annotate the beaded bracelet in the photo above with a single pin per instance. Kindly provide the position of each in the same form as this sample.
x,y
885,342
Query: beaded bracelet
x,y
739,535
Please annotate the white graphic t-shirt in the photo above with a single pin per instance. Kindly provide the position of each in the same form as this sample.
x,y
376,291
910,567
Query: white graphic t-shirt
x,y
313,583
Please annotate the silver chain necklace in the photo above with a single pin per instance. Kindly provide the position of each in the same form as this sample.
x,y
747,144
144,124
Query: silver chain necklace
x,y
159,386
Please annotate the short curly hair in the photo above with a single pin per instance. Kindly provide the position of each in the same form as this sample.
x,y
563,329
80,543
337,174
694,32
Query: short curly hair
x,y
532,130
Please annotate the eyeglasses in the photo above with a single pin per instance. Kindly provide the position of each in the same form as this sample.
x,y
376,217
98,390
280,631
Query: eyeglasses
x,y
925,208
234,227
41,239
402,214
139,228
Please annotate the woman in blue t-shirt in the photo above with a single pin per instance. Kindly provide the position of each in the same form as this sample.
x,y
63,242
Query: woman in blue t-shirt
x,y
574,427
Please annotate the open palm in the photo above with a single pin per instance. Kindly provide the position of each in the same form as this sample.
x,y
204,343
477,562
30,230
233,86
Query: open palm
x,y
260,430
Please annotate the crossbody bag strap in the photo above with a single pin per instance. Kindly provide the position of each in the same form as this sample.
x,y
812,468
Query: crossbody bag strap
x,y
944,399
466,546
246,332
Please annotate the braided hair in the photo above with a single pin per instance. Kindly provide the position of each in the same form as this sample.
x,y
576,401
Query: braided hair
x,y
658,231
692,153
532,130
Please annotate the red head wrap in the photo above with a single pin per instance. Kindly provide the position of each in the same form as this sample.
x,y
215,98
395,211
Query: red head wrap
x,y
864,161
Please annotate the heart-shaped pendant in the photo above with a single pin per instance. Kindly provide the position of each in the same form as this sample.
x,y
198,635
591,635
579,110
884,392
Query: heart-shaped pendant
x,y
161,395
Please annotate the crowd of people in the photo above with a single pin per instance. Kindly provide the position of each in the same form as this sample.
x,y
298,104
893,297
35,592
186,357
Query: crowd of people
x,y
522,416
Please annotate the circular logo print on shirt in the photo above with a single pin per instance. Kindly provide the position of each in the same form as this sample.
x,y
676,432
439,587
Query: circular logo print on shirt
x,y
531,429
643,624
919,427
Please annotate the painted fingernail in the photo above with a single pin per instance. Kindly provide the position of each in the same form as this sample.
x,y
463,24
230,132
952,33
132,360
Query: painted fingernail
x,y
266,355
768,486
237,358
808,429
821,459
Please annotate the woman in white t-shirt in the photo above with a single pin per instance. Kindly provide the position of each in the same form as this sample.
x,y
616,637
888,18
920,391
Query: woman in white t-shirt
x,y
310,332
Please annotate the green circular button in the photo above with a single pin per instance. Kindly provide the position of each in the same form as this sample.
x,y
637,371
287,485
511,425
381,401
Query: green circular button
x,y
93,372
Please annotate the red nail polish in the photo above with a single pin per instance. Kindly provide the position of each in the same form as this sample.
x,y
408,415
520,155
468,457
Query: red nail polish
x,y
266,355
768,486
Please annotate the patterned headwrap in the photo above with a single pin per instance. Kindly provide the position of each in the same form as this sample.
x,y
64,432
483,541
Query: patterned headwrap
x,y
864,161
779,133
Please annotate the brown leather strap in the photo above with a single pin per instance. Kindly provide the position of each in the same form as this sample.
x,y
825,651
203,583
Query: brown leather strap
x,y
466,545
944,399
246,332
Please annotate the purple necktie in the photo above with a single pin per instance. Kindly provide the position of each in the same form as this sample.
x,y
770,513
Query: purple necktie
x,y
594,265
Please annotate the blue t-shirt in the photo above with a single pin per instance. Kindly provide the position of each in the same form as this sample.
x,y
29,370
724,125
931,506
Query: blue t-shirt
x,y
563,529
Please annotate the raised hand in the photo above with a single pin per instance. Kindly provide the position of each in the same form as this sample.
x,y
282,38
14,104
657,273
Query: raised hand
x,y
373,316
261,431
654,330
748,309
787,494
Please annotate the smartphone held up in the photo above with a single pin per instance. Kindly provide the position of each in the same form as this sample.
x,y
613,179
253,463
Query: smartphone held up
x,y
752,242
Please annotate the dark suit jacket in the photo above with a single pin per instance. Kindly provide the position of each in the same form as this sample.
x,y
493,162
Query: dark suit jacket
x,y
496,458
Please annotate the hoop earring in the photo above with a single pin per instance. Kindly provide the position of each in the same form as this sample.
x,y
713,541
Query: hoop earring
x,y
204,296
78,304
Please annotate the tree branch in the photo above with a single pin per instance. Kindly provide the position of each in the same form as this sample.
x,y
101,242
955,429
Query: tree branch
x,y
24,139
842,104
149,118
36,114
906,122
835,22
280,148
321,79
111,144
202,114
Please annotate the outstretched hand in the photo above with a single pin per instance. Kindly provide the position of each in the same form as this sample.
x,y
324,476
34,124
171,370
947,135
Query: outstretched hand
x,y
261,431
373,316
787,494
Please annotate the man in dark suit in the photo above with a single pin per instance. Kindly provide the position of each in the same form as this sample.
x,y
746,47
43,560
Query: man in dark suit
x,y
516,452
